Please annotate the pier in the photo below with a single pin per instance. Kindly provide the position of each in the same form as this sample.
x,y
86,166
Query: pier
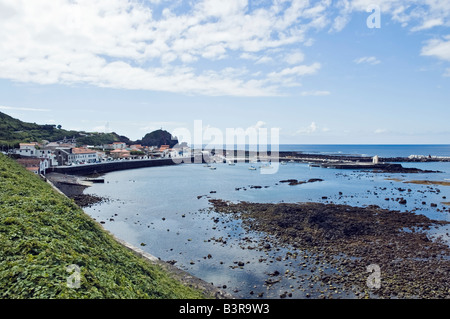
x,y
111,166
320,160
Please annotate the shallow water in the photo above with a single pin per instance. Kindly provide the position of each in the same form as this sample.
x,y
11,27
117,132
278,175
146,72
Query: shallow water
x,y
161,208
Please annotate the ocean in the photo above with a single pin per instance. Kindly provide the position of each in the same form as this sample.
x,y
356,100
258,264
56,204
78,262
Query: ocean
x,y
389,150
371,150
166,210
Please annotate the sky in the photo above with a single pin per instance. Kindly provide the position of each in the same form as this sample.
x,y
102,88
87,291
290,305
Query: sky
x,y
321,72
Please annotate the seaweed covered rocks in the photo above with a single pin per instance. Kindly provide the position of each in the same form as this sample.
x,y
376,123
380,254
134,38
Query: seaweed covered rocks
x,y
86,200
353,238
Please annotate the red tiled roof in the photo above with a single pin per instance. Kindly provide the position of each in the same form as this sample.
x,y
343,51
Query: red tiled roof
x,y
80,150
27,162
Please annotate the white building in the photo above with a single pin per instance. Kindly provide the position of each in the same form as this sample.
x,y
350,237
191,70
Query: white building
x,y
375,159
82,155
119,145
27,149
33,150
35,165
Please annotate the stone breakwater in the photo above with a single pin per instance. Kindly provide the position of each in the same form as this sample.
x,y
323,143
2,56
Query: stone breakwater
x,y
314,157
106,167
344,240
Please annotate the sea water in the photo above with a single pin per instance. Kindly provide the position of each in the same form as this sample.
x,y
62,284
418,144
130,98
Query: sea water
x,y
165,211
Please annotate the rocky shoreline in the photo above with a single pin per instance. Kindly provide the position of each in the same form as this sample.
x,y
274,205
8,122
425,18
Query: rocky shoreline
x,y
342,241
73,187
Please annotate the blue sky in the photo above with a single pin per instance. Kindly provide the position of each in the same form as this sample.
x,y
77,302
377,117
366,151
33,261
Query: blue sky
x,y
313,69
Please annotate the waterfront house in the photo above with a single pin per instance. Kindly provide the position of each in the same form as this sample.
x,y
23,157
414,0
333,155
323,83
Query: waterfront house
x,y
82,155
62,155
120,154
27,149
163,148
35,150
101,156
35,165
107,147
119,145
137,147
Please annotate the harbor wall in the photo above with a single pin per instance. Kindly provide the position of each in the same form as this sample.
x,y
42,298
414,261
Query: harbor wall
x,y
101,168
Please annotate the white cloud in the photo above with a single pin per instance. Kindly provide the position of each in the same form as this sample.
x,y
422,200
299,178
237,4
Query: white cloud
x,y
162,45
125,44
295,58
249,56
438,48
428,24
290,77
312,128
343,18
299,70
264,59
367,59
220,8
412,14
254,128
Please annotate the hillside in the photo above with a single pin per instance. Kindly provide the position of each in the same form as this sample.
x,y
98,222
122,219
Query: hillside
x,y
14,131
42,233
158,138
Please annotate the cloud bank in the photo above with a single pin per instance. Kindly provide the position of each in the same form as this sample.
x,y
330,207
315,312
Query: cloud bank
x,y
207,47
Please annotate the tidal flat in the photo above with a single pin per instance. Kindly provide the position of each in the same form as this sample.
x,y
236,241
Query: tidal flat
x,y
167,212
342,241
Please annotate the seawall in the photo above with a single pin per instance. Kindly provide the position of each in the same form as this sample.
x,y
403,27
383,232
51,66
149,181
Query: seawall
x,y
100,168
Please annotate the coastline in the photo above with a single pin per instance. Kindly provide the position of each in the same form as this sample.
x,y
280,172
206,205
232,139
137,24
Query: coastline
x,y
384,165
72,186
316,260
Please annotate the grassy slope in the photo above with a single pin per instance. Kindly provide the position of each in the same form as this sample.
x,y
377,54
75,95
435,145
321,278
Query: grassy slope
x,y
43,232
14,131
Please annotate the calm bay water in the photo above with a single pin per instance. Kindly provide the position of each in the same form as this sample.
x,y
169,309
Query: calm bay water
x,y
372,150
358,149
166,209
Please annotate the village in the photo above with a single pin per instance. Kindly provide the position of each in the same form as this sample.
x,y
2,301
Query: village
x,y
40,157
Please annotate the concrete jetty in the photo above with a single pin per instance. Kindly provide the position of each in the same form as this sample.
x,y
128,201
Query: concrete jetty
x,y
111,166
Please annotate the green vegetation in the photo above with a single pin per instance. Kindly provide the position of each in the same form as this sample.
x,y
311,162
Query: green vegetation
x,y
158,138
42,233
13,132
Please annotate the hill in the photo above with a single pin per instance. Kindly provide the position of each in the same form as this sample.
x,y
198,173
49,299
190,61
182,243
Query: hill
x,y
42,233
158,138
14,131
